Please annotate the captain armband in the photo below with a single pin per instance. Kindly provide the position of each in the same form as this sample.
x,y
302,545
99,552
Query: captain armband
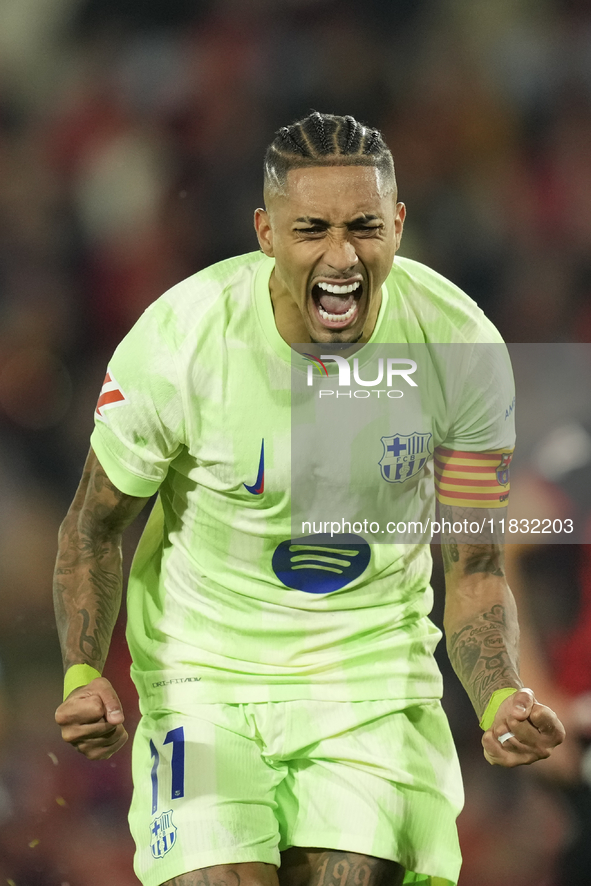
x,y
472,479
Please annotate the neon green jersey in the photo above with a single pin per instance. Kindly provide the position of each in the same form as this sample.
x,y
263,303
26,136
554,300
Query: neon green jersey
x,y
190,395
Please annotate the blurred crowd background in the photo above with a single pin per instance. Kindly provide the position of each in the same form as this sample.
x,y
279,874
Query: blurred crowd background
x,y
131,142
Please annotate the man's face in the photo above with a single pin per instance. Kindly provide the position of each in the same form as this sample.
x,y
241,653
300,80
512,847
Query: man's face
x,y
333,235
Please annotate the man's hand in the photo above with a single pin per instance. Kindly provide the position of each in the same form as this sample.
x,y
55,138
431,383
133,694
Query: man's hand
x,y
536,730
91,719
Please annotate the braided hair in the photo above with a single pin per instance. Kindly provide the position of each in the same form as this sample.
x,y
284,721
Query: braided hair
x,y
325,140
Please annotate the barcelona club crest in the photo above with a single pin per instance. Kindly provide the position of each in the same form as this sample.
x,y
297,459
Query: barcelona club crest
x,y
503,469
404,455
162,834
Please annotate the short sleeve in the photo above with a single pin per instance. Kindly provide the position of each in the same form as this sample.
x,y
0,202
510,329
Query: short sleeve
x,y
472,464
139,417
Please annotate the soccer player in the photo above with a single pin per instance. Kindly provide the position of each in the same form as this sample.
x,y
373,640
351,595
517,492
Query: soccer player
x,y
291,728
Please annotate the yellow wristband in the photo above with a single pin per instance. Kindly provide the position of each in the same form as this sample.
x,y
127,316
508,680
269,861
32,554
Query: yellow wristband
x,y
496,699
78,675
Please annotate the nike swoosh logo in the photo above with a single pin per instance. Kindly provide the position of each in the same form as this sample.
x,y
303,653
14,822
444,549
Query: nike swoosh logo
x,y
259,485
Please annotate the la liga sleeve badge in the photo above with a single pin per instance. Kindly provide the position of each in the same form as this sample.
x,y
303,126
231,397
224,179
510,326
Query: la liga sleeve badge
x,y
111,395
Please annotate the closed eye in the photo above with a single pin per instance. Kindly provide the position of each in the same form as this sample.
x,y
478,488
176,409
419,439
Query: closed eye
x,y
365,229
310,231
360,229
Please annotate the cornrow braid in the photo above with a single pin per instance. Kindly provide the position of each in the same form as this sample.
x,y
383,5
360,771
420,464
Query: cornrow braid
x,y
353,128
318,123
326,140
371,145
287,135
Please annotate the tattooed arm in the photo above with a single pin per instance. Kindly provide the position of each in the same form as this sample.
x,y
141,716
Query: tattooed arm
x,y
87,596
480,613
483,642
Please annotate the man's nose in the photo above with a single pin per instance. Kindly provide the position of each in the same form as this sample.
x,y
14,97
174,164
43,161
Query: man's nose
x,y
340,254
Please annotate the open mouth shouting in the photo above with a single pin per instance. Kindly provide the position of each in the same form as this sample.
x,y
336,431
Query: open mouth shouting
x,y
336,305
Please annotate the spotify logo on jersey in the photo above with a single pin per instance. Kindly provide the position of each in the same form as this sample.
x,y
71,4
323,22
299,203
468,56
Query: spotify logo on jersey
x,y
319,567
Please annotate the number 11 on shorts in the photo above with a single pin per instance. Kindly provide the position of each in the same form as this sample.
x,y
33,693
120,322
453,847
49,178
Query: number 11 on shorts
x,y
176,737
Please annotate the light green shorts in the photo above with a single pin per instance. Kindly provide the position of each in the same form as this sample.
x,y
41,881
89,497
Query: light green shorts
x,y
222,784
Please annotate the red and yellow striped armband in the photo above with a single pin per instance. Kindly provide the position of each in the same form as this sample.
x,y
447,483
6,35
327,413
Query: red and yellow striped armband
x,y
472,479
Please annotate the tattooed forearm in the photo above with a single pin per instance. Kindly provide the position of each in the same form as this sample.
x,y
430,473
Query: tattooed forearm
x,y
480,614
484,653
87,595
88,580
93,644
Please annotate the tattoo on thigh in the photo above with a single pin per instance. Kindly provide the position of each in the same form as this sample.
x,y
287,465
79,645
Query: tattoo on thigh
x,y
228,877
336,868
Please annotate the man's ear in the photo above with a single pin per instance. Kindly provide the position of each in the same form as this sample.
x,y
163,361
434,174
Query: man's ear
x,y
399,223
262,226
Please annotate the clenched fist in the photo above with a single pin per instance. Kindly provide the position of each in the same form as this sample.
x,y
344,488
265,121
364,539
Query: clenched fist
x,y
91,719
523,731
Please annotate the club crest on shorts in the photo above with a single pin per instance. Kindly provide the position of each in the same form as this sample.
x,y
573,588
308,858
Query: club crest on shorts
x,y
404,455
162,834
